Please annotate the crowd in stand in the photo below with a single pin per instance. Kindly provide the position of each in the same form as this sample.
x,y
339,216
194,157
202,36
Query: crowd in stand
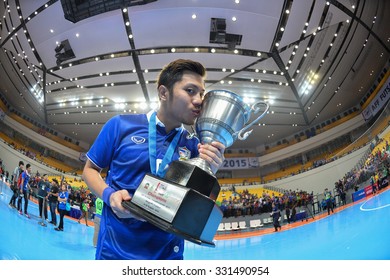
x,y
375,170
245,203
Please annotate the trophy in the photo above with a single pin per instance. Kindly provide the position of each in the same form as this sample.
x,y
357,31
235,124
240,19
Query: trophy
x,y
183,202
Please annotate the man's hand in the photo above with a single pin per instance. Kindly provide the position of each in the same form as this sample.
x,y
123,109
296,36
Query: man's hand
x,y
116,200
213,154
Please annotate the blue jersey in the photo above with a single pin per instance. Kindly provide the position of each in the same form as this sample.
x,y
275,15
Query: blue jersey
x,y
62,204
26,179
122,147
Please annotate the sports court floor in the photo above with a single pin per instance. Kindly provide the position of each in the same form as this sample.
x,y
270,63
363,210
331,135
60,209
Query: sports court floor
x,y
360,231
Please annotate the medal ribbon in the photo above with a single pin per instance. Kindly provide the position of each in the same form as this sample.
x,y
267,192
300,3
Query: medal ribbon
x,y
153,148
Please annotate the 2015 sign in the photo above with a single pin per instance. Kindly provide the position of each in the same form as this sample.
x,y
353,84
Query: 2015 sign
x,y
240,163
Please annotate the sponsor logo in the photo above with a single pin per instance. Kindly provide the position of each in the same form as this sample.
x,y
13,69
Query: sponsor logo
x,y
138,139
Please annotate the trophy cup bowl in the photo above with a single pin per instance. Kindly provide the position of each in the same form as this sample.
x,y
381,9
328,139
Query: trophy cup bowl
x,y
183,202
224,118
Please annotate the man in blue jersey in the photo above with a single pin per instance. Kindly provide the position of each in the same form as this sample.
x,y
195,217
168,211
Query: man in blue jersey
x,y
131,146
24,189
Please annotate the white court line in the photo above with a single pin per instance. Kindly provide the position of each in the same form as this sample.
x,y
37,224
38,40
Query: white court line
x,y
372,209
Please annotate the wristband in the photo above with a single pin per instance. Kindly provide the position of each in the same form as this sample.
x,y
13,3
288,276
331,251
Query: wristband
x,y
107,194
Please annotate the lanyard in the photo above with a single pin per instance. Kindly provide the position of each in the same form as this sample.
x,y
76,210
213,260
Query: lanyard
x,y
153,148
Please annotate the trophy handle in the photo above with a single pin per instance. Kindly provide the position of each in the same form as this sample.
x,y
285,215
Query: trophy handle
x,y
255,109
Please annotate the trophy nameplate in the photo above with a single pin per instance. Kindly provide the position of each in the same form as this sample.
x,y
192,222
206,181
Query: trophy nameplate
x,y
176,209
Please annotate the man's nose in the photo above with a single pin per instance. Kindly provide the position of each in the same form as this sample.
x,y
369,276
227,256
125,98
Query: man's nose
x,y
197,100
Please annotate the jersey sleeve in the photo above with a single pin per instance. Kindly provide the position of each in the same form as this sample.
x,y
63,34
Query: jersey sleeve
x,y
103,148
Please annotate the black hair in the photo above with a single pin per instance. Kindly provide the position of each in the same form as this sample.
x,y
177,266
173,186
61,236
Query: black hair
x,y
173,72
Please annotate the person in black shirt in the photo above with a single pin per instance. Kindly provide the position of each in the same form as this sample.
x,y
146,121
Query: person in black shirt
x,y
43,189
15,188
53,199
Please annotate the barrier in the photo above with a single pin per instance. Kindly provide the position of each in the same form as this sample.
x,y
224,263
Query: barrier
x,y
360,194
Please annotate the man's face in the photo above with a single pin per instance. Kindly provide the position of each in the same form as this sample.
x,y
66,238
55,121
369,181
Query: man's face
x,y
184,103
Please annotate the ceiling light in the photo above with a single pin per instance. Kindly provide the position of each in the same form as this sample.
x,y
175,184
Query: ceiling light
x,y
193,16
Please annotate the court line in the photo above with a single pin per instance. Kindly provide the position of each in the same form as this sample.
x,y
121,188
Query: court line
x,y
372,209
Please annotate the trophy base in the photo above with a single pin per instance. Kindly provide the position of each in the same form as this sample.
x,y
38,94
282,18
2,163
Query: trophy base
x,y
193,174
163,225
176,209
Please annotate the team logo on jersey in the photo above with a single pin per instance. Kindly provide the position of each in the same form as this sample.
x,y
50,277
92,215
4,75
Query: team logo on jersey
x,y
184,153
138,139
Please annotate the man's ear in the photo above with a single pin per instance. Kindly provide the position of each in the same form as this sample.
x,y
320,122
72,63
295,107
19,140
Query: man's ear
x,y
162,93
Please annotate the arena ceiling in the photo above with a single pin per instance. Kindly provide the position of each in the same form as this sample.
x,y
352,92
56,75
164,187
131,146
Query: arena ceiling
x,y
311,60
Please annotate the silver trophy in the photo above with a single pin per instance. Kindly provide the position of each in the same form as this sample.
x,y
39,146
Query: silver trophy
x,y
224,118
183,202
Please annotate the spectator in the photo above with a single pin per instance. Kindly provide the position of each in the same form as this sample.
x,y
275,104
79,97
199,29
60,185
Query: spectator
x,y
53,199
99,210
24,189
43,189
14,187
62,200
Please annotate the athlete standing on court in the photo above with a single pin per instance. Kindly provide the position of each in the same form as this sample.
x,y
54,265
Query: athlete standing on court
x,y
131,146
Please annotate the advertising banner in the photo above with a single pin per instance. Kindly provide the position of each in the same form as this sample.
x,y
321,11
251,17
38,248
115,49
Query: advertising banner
x,y
368,190
378,102
358,195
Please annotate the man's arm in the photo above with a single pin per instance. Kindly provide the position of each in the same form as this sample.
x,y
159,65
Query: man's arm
x,y
93,179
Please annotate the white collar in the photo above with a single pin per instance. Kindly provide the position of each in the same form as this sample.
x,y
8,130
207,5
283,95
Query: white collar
x,y
160,123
